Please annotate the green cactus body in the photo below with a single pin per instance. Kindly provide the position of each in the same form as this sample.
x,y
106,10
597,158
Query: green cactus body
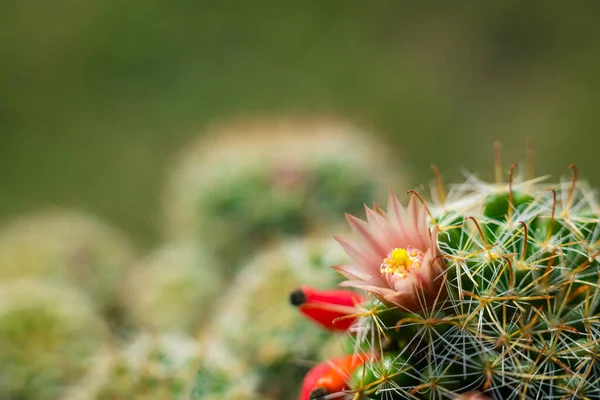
x,y
172,288
68,247
247,183
50,339
517,313
158,367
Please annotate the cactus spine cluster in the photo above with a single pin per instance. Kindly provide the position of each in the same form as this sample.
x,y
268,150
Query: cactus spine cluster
x,y
517,312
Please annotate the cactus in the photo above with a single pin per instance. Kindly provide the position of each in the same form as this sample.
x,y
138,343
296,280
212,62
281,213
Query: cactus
x,y
68,247
262,337
172,288
224,375
246,183
50,339
158,367
490,291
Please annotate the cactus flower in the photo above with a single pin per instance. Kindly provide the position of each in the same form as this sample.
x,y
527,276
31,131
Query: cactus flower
x,y
396,255
331,309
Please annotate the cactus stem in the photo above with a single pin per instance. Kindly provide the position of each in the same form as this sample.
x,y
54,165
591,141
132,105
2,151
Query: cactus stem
x,y
584,265
531,323
440,184
567,296
511,205
525,237
488,379
572,188
548,269
581,289
414,193
418,388
407,320
549,233
486,246
498,162
511,273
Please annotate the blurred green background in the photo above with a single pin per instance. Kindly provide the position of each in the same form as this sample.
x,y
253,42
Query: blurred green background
x,y
97,97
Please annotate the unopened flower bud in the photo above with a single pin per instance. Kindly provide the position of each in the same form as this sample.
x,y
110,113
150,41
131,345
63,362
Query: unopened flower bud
x,y
331,309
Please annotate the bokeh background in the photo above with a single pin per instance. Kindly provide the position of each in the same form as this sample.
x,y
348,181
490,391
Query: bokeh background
x,y
113,113
96,97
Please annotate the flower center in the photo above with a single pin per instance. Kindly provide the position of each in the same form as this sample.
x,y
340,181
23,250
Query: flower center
x,y
400,262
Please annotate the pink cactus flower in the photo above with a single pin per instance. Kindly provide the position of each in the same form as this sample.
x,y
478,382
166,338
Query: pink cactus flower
x,y
396,255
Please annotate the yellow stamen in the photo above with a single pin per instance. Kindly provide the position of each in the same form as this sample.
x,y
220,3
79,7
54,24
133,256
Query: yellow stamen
x,y
399,261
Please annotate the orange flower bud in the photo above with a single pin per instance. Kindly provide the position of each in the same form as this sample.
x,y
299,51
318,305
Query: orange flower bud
x,y
331,376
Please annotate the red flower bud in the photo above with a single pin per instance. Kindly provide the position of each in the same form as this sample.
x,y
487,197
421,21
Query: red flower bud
x,y
311,378
331,309
331,376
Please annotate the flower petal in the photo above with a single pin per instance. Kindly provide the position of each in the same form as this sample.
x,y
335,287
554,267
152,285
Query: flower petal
x,y
356,272
366,259
363,230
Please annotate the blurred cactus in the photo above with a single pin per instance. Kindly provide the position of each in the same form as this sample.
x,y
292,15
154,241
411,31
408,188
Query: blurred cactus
x,y
150,367
224,375
49,339
67,246
173,288
505,305
263,336
243,184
